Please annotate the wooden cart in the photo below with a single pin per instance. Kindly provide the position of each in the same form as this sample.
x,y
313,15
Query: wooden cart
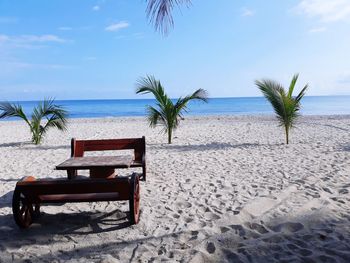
x,y
30,193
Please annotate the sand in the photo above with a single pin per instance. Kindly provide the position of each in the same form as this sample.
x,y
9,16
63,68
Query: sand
x,y
227,190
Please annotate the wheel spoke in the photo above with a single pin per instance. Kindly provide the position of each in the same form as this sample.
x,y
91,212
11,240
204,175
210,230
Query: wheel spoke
x,y
22,209
26,212
27,215
31,208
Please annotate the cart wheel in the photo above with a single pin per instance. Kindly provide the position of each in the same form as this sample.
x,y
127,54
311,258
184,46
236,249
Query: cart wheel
x,y
134,201
22,210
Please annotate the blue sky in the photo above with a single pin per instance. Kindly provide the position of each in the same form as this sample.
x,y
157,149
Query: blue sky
x,y
86,49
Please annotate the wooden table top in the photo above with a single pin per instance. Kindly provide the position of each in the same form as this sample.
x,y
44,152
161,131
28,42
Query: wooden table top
x,y
91,162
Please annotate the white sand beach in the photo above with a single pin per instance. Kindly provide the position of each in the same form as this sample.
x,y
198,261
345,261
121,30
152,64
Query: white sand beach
x,y
227,190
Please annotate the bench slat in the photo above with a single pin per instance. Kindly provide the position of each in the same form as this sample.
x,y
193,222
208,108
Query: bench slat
x,y
93,197
34,189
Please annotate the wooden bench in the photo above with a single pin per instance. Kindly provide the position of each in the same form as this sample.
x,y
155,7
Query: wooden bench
x,y
30,193
78,147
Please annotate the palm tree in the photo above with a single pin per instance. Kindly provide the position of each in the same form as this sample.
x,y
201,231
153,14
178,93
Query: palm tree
x,y
166,113
160,13
284,104
54,115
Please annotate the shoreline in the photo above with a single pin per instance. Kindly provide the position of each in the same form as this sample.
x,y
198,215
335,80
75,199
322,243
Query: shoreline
x,y
196,117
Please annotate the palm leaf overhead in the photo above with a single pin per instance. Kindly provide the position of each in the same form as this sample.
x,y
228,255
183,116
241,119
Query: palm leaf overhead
x,y
166,112
283,103
160,13
53,116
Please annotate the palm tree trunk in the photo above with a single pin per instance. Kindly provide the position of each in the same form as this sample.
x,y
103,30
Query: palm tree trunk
x,y
170,131
287,134
36,136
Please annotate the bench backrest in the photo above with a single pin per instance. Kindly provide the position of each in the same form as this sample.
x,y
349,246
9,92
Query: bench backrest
x,y
78,147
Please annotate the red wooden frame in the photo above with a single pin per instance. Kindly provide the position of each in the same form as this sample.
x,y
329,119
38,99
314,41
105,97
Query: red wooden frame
x,y
30,193
78,147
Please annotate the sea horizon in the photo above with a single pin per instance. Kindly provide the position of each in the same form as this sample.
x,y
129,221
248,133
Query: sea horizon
x,y
100,108
140,98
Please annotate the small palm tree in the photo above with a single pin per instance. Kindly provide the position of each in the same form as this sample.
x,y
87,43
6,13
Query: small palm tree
x,y
167,113
284,104
54,115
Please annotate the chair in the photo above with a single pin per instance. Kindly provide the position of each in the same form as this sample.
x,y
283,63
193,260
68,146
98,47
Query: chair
x,y
78,147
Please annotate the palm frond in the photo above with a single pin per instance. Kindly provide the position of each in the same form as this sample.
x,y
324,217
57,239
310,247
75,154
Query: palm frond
x,y
273,92
154,116
36,115
160,13
149,84
56,116
199,94
302,93
292,85
12,110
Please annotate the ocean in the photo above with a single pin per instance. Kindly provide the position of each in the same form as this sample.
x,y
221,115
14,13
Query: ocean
x,y
311,105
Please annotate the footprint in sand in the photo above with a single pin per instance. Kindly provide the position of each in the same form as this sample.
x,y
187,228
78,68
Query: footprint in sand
x,y
238,229
338,200
343,191
300,243
162,251
327,259
305,252
176,216
211,248
273,239
211,216
194,235
183,204
288,227
188,219
257,227
230,256
224,229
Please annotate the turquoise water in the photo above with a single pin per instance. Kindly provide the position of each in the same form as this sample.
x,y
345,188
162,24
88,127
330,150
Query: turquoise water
x,y
312,105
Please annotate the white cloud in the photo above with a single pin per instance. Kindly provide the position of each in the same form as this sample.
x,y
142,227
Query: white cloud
x,y
4,38
247,12
8,42
344,78
31,39
117,26
13,67
8,20
42,38
317,30
65,28
96,8
325,10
